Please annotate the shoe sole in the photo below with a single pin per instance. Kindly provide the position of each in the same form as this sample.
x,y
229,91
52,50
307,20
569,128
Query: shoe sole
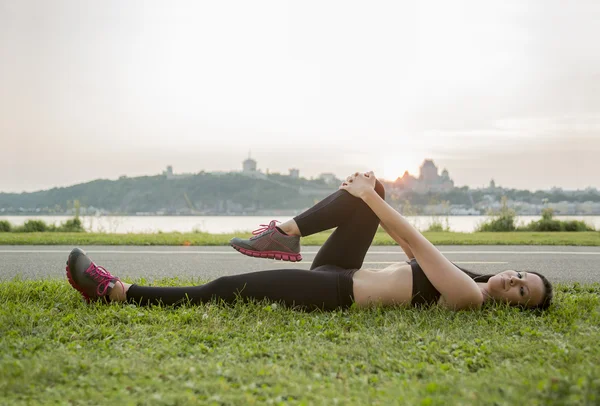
x,y
74,285
278,255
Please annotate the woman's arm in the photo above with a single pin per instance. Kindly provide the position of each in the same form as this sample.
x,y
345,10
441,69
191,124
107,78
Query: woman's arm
x,y
458,289
402,243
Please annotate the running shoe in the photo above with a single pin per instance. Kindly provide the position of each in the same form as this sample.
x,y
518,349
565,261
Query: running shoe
x,y
92,281
269,242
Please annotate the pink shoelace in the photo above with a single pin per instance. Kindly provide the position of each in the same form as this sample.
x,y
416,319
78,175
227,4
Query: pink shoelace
x,y
264,228
102,276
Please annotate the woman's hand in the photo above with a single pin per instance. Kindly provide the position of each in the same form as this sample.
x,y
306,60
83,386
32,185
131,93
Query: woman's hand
x,y
359,184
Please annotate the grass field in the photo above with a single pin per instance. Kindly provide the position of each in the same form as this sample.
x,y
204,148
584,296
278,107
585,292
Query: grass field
x,y
381,238
54,349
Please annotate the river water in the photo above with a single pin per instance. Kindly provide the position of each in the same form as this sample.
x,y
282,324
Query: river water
x,y
232,224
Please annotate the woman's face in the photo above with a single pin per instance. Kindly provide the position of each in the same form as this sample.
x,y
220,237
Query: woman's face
x,y
516,287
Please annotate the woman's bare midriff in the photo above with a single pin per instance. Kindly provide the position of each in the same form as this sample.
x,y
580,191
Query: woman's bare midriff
x,y
388,286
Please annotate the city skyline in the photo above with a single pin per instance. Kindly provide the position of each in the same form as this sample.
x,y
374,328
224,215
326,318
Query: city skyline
x,y
428,178
503,90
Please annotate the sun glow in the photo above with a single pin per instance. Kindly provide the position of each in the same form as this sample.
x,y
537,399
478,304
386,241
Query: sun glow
x,y
394,167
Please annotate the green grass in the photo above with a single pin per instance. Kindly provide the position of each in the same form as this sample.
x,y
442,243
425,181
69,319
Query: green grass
x,y
381,238
54,349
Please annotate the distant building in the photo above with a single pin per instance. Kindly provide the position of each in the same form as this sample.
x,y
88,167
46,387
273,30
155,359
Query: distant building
x,y
294,173
428,181
329,178
249,165
249,169
170,175
429,172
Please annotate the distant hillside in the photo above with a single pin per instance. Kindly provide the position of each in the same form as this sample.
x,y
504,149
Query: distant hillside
x,y
234,193
204,193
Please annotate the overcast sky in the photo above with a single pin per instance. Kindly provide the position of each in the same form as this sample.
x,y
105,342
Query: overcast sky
x,y
508,90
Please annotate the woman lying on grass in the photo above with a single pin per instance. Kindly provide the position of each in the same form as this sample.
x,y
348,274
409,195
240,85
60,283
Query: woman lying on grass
x,y
336,278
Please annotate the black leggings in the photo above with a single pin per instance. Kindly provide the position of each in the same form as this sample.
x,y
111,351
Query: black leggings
x,y
327,286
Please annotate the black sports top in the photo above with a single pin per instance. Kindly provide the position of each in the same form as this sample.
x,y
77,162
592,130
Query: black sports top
x,y
423,292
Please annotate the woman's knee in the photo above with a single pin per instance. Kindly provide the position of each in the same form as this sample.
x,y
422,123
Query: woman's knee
x,y
380,189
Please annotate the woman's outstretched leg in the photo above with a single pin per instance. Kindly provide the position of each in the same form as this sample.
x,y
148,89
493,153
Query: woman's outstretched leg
x,y
346,247
292,287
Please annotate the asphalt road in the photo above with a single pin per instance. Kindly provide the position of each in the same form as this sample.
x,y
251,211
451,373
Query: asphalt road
x,y
559,264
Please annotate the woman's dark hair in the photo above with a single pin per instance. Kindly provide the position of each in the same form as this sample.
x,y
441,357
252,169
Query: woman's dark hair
x,y
548,291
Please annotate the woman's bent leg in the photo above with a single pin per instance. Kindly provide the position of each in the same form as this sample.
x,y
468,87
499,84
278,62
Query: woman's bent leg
x,y
347,246
356,226
293,287
332,211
